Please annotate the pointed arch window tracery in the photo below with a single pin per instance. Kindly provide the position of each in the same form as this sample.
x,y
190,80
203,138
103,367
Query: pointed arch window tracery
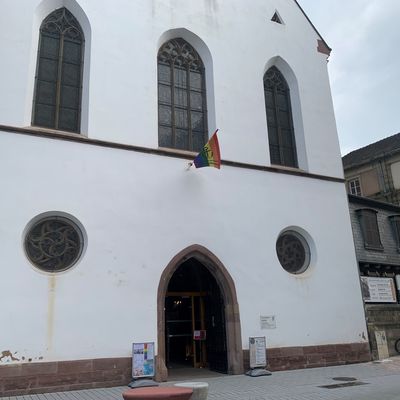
x,y
182,110
58,82
282,144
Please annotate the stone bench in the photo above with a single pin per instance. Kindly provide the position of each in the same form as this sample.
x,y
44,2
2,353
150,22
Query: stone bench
x,y
153,393
200,389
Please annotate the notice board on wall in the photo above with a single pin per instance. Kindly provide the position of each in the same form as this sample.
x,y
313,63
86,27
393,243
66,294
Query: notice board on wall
x,y
378,290
143,360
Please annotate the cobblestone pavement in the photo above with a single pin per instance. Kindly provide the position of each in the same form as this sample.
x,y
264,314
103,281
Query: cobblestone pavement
x,y
381,382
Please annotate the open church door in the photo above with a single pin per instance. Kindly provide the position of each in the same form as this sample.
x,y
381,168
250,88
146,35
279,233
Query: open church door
x,y
216,333
198,315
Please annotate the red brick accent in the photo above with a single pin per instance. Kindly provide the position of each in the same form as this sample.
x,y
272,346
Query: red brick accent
x,y
152,393
44,377
232,316
75,366
286,358
323,48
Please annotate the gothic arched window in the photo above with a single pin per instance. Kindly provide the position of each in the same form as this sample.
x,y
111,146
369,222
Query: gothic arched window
x,y
182,112
282,144
58,86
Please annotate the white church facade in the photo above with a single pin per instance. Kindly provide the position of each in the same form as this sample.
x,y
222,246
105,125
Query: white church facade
x,y
107,238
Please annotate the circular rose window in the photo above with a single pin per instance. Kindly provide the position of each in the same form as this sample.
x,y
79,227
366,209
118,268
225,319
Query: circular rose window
x,y
54,244
293,252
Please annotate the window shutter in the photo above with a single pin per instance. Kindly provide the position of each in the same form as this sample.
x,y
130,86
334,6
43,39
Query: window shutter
x,y
370,229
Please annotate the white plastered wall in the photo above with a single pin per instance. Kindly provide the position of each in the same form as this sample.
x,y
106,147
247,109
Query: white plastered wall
x,y
237,40
138,211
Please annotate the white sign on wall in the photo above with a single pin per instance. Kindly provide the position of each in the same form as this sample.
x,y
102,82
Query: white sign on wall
x,y
258,353
267,322
378,290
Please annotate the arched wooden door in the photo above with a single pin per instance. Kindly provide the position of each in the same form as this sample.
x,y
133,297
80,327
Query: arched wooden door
x,y
222,319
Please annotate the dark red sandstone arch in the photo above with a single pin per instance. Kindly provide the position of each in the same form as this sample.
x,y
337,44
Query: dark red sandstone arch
x,y
232,317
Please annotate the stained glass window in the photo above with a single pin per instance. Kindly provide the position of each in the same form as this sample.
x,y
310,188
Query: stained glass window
x,y
54,244
57,100
182,111
282,145
293,252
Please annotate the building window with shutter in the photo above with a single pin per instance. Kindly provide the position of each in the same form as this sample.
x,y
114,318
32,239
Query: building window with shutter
x,y
58,83
354,187
395,223
370,229
182,111
282,144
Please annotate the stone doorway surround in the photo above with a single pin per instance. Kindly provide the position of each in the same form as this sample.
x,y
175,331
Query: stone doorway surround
x,y
232,317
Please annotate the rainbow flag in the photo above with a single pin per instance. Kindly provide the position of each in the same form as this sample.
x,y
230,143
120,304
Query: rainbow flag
x,y
210,155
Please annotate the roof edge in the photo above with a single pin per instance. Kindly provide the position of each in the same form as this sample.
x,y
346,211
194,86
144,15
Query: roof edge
x,y
374,157
322,47
366,201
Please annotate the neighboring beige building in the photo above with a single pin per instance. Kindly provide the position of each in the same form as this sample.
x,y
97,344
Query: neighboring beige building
x,y
376,234
374,171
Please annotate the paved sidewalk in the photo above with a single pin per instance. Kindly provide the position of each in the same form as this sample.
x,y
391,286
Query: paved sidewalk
x,y
381,382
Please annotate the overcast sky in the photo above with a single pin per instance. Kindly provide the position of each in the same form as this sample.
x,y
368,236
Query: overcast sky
x,y
364,66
